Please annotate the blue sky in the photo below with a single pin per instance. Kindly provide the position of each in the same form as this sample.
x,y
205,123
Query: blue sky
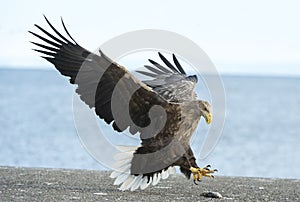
x,y
239,36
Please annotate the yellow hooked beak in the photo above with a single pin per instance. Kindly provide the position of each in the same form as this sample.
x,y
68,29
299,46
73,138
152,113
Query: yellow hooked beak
x,y
208,117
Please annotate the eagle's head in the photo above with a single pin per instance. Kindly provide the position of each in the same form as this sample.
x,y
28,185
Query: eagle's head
x,y
205,110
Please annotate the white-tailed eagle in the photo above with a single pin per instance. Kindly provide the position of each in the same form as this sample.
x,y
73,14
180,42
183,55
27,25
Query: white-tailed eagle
x,y
167,143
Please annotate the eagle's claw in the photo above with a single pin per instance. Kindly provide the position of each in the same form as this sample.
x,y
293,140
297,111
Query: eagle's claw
x,y
198,173
196,182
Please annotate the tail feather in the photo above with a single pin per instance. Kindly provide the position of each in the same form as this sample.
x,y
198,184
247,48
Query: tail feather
x,y
156,178
164,174
121,178
130,182
137,183
146,183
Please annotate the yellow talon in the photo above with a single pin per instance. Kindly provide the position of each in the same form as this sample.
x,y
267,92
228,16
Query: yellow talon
x,y
199,172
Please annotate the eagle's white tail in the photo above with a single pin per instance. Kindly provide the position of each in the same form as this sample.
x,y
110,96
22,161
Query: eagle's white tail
x,y
132,182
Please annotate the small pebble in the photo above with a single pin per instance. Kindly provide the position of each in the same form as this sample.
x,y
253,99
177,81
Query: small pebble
x,y
211,194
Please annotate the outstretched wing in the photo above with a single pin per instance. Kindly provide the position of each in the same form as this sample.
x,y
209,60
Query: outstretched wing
x,y
171,82
102,83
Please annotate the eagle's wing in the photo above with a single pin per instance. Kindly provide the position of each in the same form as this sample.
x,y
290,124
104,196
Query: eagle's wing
x,y
171,82
99,81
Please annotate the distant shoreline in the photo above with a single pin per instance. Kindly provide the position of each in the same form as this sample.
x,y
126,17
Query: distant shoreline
x,y
30,184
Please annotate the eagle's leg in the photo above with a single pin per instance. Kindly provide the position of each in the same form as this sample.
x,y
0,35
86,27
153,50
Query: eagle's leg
x,y
198,173
189,166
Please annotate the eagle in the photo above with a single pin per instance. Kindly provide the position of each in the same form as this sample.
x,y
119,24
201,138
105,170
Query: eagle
x,y
163,110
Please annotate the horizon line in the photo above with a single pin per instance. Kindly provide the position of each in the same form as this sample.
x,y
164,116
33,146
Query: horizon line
x,y
222,73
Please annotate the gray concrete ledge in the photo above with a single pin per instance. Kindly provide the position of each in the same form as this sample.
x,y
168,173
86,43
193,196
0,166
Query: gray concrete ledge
x,y
39,184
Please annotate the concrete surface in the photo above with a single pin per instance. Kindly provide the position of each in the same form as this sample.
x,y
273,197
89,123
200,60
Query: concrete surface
x,y
40,184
